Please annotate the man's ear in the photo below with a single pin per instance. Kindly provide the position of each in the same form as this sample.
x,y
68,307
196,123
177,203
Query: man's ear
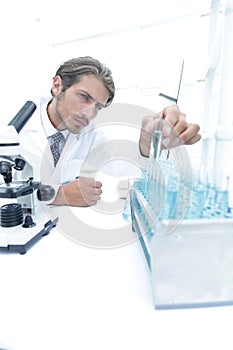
x,y
57,85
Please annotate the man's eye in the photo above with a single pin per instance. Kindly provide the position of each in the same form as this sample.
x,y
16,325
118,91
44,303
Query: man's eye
x,y
98,106
85,97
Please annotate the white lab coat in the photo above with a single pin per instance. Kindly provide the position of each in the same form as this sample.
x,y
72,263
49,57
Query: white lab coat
x,y
36,150
92,153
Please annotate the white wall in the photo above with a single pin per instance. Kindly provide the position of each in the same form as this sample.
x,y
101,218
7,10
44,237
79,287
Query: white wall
x,y
143,43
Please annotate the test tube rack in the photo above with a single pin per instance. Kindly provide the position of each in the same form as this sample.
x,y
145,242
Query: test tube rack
x,y
188,253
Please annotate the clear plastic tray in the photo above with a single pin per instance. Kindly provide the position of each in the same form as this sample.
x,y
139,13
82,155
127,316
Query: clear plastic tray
x,y
192,266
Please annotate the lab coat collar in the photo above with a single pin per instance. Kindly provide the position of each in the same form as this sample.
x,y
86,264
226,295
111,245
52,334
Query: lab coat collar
x,y
47,125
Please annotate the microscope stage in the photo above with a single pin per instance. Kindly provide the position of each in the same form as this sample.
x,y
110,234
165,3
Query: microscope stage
x,y
17,189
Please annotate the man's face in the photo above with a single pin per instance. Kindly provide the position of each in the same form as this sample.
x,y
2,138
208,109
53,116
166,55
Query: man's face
x,y
79,104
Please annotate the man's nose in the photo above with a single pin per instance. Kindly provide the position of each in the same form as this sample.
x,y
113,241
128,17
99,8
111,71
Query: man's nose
x,y
90,112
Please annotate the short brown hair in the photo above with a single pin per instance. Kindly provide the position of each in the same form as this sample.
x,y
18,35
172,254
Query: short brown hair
x,y
72,70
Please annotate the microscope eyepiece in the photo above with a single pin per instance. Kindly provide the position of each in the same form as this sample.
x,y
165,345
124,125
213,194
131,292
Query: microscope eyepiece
x,y
23,115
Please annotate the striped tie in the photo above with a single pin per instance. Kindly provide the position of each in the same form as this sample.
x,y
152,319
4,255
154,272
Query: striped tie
x,y
57,142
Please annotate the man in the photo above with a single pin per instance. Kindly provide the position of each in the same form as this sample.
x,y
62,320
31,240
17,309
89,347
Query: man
x,y
81,87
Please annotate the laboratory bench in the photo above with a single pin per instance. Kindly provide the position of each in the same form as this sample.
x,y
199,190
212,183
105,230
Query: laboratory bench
x,y
65,295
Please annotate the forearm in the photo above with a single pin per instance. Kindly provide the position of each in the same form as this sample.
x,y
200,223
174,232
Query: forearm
x,y
60,198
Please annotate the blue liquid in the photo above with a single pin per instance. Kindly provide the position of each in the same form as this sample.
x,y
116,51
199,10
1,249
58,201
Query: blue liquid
x,y
126,214
208,212
197,203
221,208
170,203
171,198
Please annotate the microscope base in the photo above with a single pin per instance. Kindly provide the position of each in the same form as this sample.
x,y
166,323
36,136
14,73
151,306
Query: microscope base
x,y
20,239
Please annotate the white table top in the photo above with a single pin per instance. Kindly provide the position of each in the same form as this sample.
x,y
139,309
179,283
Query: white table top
x,y
62,295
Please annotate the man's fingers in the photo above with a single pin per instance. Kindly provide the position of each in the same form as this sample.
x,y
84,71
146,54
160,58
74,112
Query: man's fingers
x,y
188,137
193,140
98,184
191,133
172,114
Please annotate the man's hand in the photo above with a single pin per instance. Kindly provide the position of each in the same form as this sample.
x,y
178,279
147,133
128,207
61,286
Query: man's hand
x,y
82,192
176,131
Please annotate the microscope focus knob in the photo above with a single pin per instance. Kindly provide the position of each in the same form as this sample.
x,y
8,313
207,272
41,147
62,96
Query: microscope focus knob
x,y
45,193
19,164
28,222
11,215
